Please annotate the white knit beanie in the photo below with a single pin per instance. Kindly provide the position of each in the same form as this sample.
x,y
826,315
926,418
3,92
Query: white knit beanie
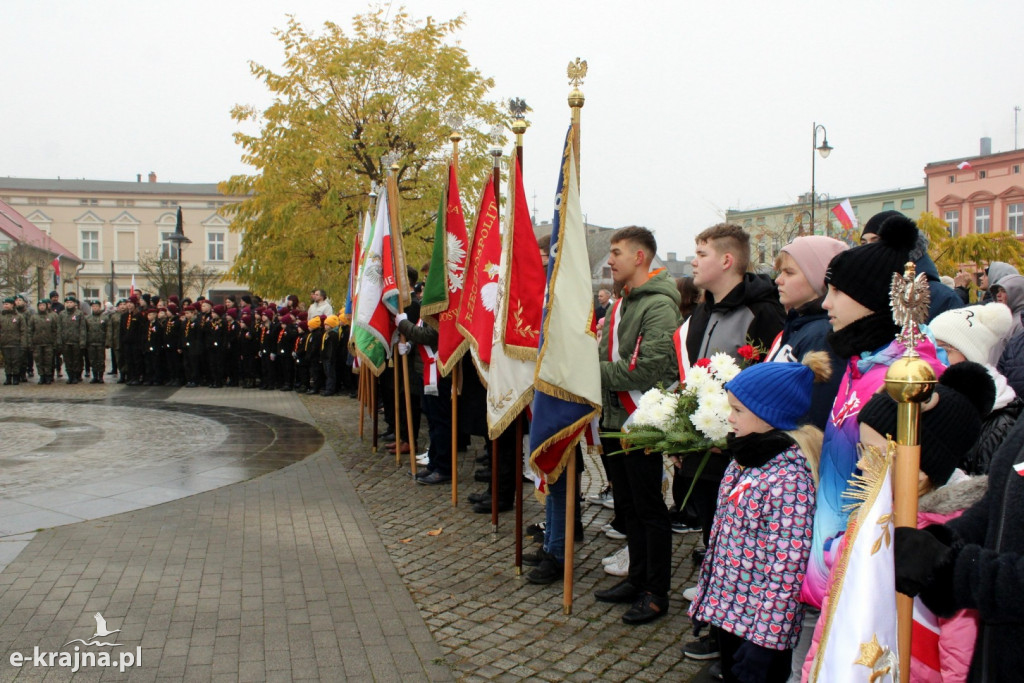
x,y
973,330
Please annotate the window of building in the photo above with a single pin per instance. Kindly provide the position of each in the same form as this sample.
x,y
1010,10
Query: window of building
x,y
788,218
1016,168
888,206
126,202
953,218
90,293
89,202
982,174
748,222
215,246
123,292
775,246
760,220
90,245
983,219
762,247
906,204
168,249
1015,218
606,273
37,201
952,178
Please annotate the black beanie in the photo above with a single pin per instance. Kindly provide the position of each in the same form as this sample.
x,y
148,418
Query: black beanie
x,y
864,273
951,427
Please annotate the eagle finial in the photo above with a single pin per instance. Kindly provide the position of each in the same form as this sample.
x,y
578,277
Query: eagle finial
x,y
577,71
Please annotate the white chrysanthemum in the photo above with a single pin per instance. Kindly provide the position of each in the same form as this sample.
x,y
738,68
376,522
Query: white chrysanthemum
x,y
717,403
724,367
697,377
710,424
710,389
729,374
661,417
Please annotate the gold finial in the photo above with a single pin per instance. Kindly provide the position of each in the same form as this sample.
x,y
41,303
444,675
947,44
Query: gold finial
x,y
517,107
577,71
390,160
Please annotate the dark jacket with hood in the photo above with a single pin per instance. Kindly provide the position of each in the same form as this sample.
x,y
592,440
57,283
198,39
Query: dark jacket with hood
x,y
986,571
806,329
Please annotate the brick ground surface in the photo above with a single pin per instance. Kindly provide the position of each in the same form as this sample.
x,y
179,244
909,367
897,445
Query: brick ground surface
x,y
324,570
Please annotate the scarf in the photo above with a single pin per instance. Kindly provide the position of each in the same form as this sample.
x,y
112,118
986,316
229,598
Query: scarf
x,y
754,450
867,334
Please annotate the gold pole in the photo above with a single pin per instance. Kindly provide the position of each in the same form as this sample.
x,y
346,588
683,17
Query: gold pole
x,y
910,381
362,406
397,414
577,71
518,109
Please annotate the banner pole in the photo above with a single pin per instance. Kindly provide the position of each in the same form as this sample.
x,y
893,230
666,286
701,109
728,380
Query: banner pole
x,y
517,107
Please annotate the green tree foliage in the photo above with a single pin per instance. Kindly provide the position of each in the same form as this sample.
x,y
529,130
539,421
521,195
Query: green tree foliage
x,y
952,254
343,101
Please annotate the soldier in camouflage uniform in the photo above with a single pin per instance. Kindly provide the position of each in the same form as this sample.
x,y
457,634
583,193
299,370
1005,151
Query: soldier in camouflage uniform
x,y
42,337
114,320
13,339
98,332
71,334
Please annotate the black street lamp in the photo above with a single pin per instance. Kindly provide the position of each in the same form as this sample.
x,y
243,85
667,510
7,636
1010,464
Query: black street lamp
x,y
179,240
824,150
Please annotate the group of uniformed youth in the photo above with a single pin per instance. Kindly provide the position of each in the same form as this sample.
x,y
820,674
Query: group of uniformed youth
x,y
177,343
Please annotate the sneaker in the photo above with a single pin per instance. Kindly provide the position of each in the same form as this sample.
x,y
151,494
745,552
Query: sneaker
x,y
614,557
613,533
690,593
609,502
600,497
705,647
684,528
534,559
621,566
422,459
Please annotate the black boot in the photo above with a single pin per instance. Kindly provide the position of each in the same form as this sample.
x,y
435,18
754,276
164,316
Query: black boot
x,y
7,380
16,380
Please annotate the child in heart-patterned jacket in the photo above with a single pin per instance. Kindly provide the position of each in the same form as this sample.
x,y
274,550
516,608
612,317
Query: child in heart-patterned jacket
x,y
750,580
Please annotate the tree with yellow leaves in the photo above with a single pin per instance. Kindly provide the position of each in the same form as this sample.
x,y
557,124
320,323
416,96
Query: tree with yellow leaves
x,y
343,101
952,254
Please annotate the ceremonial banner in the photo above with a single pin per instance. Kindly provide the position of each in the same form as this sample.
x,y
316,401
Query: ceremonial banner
x,y
374,327
477,308
520,300
353,276
396,278
857,628
442,293
567,382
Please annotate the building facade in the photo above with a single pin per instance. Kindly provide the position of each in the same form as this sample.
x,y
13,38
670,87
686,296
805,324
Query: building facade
x,y
773,227
112,225
980,194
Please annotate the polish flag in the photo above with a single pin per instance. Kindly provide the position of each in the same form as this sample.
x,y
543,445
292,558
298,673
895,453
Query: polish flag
x,y
844,214
964,165
131,291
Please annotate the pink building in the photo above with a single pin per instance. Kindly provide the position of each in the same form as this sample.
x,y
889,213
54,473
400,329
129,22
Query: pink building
x,y
978,194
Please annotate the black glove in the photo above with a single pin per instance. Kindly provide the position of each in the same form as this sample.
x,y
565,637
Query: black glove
x,y
750,663
919,555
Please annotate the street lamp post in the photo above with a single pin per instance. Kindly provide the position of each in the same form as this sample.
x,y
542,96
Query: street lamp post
x,y
824,150
179,240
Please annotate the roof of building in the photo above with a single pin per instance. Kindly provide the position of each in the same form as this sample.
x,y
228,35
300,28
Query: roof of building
x,y
80,185
996,156
917,189
23,231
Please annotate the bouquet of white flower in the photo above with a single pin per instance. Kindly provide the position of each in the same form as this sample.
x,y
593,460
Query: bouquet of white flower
x,y
688,419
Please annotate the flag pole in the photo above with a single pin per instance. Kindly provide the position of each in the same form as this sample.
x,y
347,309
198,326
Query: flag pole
x,y
576,71
496,137
372,381
910,381
455,137
403,301
517,107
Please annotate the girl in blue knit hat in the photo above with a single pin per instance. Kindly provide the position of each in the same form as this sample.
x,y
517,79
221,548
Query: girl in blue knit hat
x,y
750,580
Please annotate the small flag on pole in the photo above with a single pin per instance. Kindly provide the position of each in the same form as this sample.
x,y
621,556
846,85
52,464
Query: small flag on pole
x,y
131,290
56,271
844,214
964,165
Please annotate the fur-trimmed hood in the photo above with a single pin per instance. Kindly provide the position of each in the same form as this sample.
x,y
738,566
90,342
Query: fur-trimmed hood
x,y
960,493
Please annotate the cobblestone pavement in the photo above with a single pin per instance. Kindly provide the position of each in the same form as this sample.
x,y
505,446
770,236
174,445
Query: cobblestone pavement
x,y
490,623
322,570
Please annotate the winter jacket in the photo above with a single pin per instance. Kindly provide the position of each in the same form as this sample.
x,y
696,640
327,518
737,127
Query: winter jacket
x,y
97,329
942,646
13,329
115,330
760,541
994,428
864,375
1011,363
997,270
71,327
987,569
647,316
1013,285
751,312
418,335
806,329
43,329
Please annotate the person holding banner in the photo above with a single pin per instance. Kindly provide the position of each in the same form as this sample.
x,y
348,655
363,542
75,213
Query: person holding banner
x,y
636,355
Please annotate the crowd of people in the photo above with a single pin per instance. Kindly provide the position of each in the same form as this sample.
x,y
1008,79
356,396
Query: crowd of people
x,y
244,342
772,506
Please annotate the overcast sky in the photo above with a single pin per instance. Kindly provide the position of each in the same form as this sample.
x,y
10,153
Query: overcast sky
x,y
691,108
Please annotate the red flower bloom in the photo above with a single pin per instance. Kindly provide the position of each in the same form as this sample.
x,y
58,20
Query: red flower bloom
x,y
702,363
748,352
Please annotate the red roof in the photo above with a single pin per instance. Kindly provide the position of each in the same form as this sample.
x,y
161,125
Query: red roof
x,y
23,231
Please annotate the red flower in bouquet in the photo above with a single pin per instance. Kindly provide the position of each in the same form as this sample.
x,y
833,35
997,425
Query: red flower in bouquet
x,y
702,363
748,352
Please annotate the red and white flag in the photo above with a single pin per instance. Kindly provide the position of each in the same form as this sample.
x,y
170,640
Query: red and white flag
x,y
964,165
56,271
844,214
131,290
